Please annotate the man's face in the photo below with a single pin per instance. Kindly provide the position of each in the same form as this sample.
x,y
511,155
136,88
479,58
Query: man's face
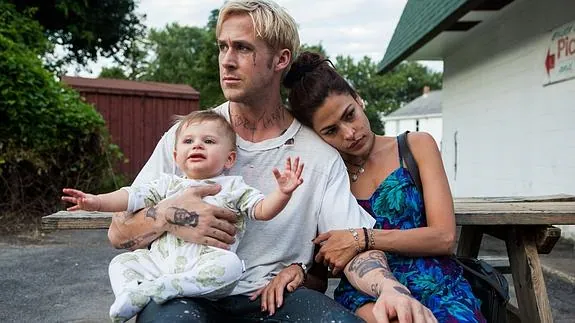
x,y
246,62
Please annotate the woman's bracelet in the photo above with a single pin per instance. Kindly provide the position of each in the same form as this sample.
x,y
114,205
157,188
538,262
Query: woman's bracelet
x,y
366,247
356,238
371,239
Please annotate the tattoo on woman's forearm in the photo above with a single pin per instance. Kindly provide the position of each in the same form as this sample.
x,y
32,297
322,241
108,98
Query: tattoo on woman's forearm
x,y
365,263
375,289
183,217
402,290
151,213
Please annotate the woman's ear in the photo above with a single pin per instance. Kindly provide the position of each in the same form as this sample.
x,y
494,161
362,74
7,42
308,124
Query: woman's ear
x,y
231,160
175,154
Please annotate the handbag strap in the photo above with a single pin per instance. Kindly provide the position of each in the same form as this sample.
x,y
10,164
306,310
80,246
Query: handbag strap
x,y
410,162
484,277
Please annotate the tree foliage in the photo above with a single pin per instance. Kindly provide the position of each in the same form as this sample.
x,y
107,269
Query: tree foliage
x,y
49,137
86,28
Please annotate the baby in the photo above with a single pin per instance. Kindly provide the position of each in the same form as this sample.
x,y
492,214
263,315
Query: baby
x,y
205,148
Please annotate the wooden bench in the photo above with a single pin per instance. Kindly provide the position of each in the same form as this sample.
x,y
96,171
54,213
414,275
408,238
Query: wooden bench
x,y
525,224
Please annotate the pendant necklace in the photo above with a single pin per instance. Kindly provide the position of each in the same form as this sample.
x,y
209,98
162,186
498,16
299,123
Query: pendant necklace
x,y
360,169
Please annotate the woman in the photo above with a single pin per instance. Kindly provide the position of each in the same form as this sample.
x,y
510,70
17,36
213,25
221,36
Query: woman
x,y
418,243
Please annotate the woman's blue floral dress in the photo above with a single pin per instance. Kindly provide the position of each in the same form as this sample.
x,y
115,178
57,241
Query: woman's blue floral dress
x,y
437,282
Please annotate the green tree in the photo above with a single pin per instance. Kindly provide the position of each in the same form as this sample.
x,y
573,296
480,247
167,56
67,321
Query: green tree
x,y
114,72
86,28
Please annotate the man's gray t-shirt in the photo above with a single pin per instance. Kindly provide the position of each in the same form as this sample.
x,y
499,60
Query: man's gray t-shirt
x,y
322,203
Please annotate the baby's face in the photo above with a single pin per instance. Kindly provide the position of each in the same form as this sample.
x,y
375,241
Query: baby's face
x,y
203,150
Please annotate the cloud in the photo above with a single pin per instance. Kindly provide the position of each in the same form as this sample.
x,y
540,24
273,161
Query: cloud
x,y
344,27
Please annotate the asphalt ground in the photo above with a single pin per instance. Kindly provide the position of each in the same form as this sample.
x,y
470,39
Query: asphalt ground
x,y
62,277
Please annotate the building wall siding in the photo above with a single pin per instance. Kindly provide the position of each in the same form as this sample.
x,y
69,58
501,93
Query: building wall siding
x,y
136,123
504,132
432,125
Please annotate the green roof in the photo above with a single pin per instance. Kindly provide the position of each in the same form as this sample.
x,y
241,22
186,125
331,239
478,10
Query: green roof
x,y
420,21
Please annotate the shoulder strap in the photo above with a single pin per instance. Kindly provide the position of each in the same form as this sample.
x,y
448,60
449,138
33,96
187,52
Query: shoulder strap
x,y
410,163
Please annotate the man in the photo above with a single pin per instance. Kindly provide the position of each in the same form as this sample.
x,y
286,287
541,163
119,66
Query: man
x,y
257,40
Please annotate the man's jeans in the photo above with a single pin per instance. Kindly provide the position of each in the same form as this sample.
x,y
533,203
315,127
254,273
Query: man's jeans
x,y
303,305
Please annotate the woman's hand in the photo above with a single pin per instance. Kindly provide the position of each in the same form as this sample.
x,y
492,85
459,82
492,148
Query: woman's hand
x,y
397,304
338,247
289,278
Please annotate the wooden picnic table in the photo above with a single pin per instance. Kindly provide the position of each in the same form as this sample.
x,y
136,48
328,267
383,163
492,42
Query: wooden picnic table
x,y
525,224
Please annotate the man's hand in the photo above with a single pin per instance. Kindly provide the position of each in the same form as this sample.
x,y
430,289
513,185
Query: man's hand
x,y
193,220
290,179
398,304
289,278
82,201
338,247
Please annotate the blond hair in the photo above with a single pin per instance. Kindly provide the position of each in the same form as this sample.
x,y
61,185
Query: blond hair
x,y
272,23
203,116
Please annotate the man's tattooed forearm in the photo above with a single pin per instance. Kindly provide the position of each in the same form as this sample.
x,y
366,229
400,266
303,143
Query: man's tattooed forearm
x,y
365,263
138,241
183,217
151,213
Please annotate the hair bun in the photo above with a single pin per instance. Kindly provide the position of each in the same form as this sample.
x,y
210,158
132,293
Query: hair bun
x,y
304,63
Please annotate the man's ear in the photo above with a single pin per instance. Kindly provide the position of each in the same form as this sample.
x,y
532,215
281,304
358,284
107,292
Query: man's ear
x,y
282,59
231,160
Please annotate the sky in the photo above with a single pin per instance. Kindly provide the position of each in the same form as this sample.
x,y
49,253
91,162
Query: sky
x,y
344,27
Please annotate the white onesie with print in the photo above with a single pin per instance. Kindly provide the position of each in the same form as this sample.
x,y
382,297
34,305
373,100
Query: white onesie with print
x,y
171,267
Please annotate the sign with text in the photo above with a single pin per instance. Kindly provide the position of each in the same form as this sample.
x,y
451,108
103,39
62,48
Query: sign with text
x,y
560,54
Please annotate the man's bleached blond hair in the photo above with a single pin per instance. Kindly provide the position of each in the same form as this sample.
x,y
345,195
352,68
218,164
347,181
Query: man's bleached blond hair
x,y
272,23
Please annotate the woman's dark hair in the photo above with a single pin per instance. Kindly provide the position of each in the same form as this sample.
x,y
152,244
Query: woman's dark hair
x,y
310,80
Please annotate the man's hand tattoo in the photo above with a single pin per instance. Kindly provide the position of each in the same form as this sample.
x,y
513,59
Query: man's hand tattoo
x,y
375,289
151,213
185,218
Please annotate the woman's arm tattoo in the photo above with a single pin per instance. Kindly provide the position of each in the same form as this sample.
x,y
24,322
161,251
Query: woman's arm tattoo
x,y
365,263
183,217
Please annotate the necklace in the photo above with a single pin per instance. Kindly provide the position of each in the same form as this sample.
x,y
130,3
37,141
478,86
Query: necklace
x,y
360,169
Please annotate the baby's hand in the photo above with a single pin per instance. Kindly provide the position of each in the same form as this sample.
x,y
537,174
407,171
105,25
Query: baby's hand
x,y
290,179
83,201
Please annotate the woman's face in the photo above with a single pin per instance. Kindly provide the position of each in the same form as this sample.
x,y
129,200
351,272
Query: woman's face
x,y
341,122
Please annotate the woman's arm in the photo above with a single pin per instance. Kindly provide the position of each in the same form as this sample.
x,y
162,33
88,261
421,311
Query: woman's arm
x,y
185,216
438,238
369,273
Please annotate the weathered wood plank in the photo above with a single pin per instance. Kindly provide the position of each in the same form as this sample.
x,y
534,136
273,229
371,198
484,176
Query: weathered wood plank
x,y
546,236
507,199
490,213
469,241
466,213
76,220
528,280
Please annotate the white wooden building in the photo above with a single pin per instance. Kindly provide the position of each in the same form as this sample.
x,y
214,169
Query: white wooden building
x,y
508,98
421,114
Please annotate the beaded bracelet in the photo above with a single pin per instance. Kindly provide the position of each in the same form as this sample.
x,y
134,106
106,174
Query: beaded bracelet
x,y
356,237
366,239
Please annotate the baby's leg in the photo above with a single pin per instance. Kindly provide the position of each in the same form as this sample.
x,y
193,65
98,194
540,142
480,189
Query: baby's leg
x,y
214,274
127,271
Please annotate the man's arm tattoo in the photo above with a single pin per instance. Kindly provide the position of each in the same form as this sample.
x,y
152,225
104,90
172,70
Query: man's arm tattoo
x,y
363,264
137,241
375,289
185,218
152,213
